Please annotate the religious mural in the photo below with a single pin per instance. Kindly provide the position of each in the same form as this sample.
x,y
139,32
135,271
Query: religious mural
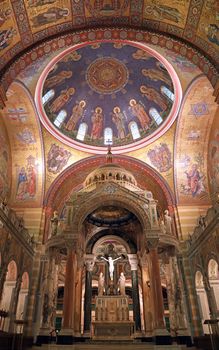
x,y
47,12
57,158
5,174
193,132
99,8
27,180
9,34
208,27
102,93
22,125
173,12
213,158
161,158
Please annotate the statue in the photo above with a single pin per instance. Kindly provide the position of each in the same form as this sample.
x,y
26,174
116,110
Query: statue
x,y
168,221
101,282
54,220
111,264
121,284
202,222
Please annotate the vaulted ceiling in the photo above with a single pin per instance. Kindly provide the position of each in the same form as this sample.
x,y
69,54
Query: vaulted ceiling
x,y
34,32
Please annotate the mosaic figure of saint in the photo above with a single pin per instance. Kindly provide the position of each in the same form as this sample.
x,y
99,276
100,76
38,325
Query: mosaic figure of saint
x,y
57,79
118,119
31,181
4,15
35,3
212,31
141,55
167,12
139,112
51,15
6,36
64,97
77,114
194,180
97,123
154,96
22,184
156,75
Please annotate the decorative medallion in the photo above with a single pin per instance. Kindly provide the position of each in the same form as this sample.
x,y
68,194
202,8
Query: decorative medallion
x,y
107,75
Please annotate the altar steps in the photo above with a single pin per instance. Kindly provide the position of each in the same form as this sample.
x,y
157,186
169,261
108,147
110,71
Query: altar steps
x,y
112,346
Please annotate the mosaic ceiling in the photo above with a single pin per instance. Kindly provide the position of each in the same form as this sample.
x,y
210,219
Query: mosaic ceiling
x,y
108,92
25,22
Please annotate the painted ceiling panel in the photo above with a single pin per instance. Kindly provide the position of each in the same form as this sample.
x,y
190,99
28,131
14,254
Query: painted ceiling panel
x,y
191,169
26,148
24,22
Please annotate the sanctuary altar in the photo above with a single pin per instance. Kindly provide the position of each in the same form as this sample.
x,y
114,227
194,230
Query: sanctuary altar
x,y
112,318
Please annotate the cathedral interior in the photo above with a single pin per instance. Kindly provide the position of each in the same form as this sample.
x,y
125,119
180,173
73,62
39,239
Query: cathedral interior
x,y
109,174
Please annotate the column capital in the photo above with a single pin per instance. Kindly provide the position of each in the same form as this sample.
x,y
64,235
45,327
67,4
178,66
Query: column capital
x,y
133,261
89,260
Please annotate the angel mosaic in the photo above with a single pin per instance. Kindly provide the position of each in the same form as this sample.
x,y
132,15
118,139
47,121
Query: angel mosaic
x,y
154,95
139,112
53,14
57,79
64,97
57,158
160,157
77,114
6,37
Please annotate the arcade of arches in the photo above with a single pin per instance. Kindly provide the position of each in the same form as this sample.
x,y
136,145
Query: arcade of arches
x,y
109,172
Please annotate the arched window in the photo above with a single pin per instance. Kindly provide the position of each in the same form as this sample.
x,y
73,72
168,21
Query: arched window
x,y
81,131
134,130
60,118
108,136
166,92
155,115
48,96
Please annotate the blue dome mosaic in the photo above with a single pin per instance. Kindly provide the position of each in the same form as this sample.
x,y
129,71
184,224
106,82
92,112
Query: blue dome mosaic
x,y
107,92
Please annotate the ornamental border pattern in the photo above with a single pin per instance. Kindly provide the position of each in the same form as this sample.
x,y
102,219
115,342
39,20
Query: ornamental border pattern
x,y
146,37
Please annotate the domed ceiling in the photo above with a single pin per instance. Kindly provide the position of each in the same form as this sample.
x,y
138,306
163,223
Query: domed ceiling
x,y
116,92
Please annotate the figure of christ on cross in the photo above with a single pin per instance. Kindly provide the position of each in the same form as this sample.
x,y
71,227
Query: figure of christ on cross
x,y
111,265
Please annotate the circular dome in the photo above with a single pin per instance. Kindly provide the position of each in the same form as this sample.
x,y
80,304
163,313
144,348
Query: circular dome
x,y
110,172
110,92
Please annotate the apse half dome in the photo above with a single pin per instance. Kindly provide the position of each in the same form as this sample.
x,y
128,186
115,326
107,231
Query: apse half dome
x,y
120,93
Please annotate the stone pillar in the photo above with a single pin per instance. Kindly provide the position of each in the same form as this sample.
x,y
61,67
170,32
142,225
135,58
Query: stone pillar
x,y
49,304
28,328
14,305
78,295
3,273
210,296
89,263
146,292
156,289
133,260
193,314
69,292
175,300
41,285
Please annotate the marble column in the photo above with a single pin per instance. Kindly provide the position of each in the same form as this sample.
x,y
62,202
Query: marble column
x,y
78,296
69,292
146,291
133,260
156,289
3,273
89,263
13,308
210,296
49,305
175,299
